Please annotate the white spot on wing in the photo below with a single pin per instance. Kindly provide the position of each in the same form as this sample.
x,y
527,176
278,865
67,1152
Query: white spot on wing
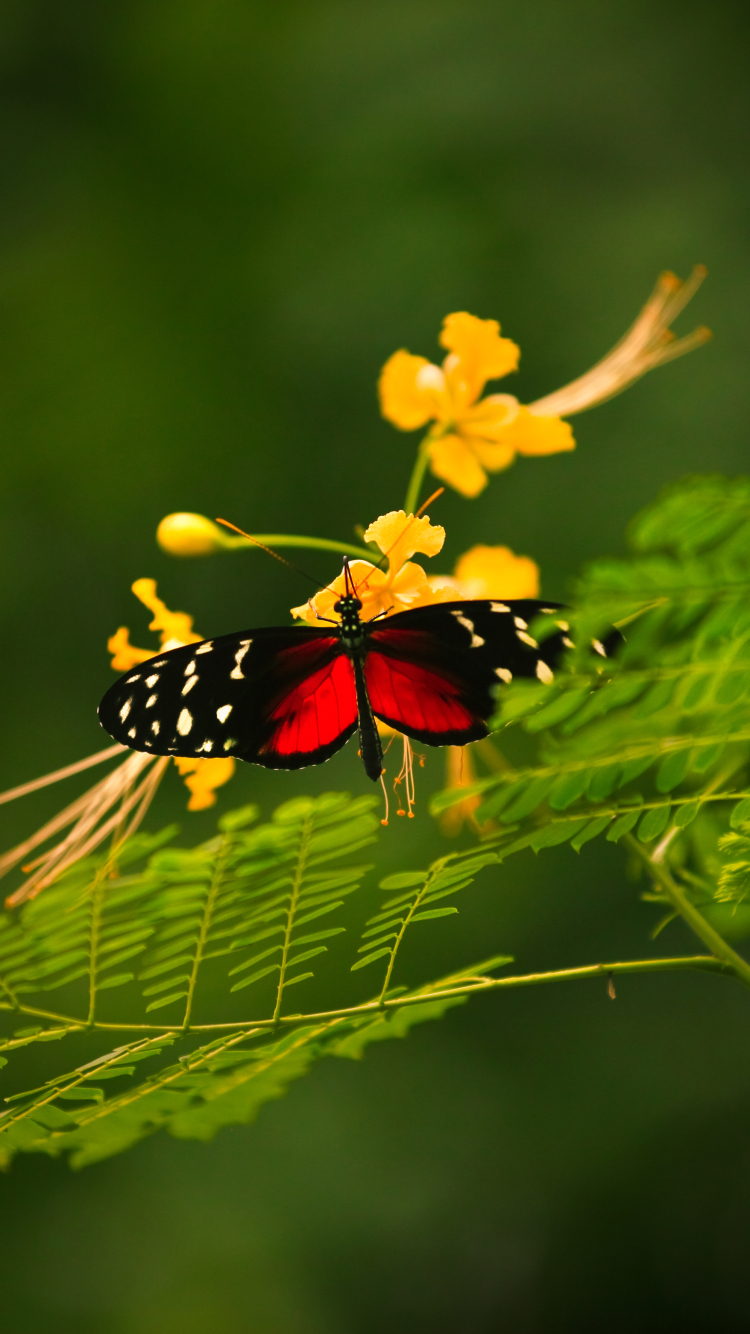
x,y
476,640
237,674
568,642
189,684
229,743
223,713
504,675
137,677
161,663
520,624
150,701
562,625
125,710
184,722
207,745
544,672
131,732
151,680
498,606
548,611
205,648
526,639
599,648
155,727
190,668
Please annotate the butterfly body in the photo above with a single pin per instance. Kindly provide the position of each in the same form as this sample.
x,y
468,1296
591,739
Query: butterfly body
x,y
289,697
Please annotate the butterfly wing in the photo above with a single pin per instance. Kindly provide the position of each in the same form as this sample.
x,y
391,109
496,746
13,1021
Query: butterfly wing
x,y
283,698
432,672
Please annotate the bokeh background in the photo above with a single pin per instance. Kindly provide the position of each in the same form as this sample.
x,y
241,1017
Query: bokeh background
x,y
218,219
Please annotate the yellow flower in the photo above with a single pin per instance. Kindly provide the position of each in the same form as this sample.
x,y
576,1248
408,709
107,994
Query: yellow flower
x,y
202,777
402,585
491,572
175,629
460,774
470,436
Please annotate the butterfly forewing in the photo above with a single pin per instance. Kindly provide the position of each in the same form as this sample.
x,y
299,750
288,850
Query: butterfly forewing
x,y
283,698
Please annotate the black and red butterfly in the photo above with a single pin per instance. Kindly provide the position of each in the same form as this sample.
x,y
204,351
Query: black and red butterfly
x,y
292,696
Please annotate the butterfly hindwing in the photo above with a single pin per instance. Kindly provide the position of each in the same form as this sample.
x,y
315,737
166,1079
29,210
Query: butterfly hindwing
x,y
283,698
433,672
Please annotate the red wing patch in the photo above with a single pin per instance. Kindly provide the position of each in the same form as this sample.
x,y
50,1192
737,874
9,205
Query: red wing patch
x,y
421,702
313,715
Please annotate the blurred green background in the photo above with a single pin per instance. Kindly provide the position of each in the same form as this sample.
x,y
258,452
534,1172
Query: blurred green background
x,y
219,218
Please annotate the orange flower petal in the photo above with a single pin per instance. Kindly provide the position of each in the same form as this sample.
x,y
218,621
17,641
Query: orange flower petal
x,y
533,435
409,389
173,625
125,654
454,462
483,355
400,536
202,777
496,572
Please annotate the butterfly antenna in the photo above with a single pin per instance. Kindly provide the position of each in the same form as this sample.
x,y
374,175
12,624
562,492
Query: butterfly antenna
x,y
418,515
270,552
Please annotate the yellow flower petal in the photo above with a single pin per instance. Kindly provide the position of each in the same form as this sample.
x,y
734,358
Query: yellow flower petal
x,y
401,535
172,625
496,572
124,654
409,388
490,418
533,435
454,462
202,777
493,455
482,354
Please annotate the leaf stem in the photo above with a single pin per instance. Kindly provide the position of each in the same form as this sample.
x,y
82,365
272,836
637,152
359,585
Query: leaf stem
x,y
415,904
205,927
695,919
96,913
299,873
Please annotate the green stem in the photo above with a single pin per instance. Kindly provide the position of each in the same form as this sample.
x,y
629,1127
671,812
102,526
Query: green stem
x,y
417,477
299,874
292,540
205,927
681,963
695,920
397,943
96,913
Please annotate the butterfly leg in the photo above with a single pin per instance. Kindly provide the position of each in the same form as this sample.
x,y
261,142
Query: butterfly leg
x,y
369,737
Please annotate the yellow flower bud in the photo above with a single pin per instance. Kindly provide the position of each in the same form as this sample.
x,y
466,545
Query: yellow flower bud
x,y
190,535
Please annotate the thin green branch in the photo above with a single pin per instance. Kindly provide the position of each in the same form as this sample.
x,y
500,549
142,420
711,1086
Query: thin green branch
x,y
208,909
397,943
435,991
292,540
299,873
695,919
96,916
421,464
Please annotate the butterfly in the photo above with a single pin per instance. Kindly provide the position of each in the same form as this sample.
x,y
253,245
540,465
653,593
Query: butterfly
x,y
288,697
